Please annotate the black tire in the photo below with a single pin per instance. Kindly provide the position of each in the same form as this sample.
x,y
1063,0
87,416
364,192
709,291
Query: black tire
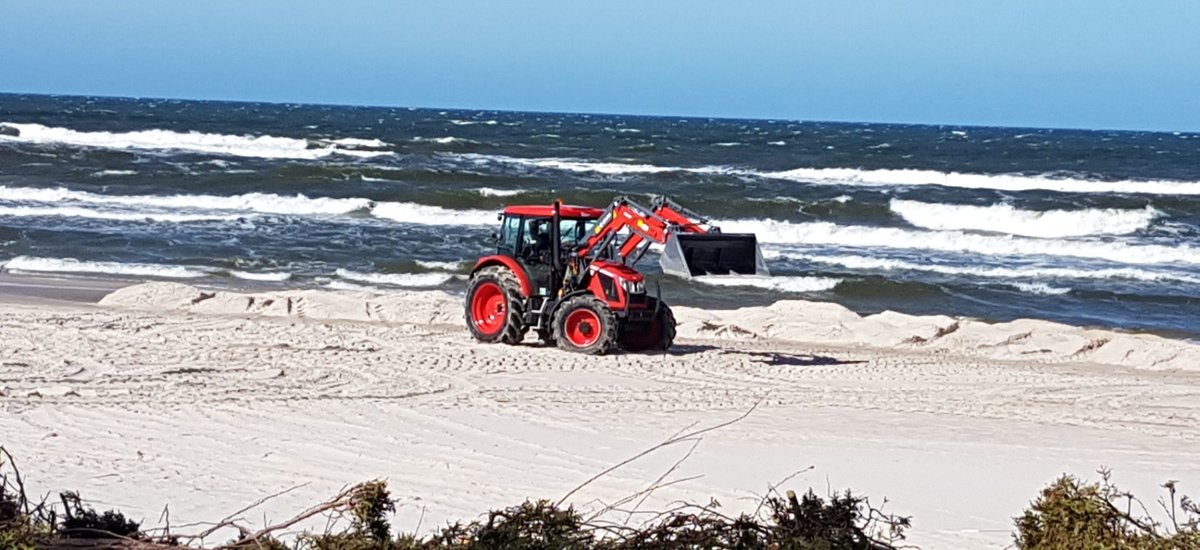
x,y
605,334
514,328
637,337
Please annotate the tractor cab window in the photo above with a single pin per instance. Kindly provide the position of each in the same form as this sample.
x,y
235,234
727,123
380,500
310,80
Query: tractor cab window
x,y
510,232
536,238
575,232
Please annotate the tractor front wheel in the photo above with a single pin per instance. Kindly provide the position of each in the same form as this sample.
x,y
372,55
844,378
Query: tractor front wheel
x,y
495,307
656,335
585,324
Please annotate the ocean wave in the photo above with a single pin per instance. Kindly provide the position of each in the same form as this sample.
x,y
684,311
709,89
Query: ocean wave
x,y
79,212
584,165
1003,218
424,214
990,272
71,265
104,173
359,142
778,282
825,233
261,276
447,140
492,192
1003,182
270,147
412,280
473,122
1041,288
263,203
444,266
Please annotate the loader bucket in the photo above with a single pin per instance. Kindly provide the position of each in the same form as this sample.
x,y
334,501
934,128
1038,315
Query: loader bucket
x,y
690,255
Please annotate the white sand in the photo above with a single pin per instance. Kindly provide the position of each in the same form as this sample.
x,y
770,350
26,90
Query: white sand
x,y
206,401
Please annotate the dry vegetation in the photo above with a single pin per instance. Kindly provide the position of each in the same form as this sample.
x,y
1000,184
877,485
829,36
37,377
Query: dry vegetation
x,y
1068,515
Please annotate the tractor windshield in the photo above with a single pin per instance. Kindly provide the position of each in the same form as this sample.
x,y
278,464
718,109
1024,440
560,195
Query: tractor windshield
x,y
574,232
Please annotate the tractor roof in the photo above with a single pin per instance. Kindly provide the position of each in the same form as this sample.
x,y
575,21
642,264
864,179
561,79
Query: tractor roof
x,y
566,211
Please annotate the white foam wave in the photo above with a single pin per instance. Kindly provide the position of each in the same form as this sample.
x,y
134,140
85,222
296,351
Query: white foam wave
x,y
1005,182
473,122
781,283
1004,218
444,266
104,173
78,212
360,142
582,165
414,280
1029,273
1041,288
71,265
220,144
423,214
264,203
825,233
441,140
492,192
261,276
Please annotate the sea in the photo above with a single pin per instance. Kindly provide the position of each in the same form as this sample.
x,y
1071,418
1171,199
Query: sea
x,y
1089,228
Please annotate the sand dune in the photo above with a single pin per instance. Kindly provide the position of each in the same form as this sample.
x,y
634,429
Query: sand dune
x,y
208,400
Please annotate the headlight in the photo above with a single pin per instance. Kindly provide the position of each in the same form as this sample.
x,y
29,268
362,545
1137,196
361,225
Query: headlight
x,y
635,287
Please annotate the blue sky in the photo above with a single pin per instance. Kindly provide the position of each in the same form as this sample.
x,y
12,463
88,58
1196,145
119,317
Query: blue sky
x,y
1064,63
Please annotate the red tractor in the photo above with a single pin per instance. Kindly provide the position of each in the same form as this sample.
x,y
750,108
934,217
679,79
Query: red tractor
x,y
566,272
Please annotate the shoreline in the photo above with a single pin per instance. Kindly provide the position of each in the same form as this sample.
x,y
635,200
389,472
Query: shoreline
x,y
91,288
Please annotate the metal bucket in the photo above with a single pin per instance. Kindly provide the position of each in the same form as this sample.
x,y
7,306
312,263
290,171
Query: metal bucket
x,y
690,255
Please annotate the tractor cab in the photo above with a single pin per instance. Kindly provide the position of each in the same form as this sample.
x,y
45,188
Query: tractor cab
x,y
526,234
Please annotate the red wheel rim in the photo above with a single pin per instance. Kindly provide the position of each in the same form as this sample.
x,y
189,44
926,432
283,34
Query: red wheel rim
x,y
489,308
582,327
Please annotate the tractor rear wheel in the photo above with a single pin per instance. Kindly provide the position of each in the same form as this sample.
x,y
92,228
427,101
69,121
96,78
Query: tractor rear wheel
x,y
495,307
585,324
656,335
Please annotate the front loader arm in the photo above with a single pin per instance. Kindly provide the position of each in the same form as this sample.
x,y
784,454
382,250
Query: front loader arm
x,y
643,224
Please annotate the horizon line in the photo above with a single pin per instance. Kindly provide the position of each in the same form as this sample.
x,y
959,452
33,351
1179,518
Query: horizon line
x,y
600,113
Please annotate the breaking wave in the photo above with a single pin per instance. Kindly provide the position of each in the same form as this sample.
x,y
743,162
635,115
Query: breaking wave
x,y
71,265
491,192
582,165
1041,288
825,233
263,203
444,266
270,147
1029,273
778,282
79,212
1003,182
424,214
1003,218
265,276
192,208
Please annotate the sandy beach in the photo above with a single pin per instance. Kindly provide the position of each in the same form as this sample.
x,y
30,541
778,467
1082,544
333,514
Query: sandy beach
x,y
165,395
